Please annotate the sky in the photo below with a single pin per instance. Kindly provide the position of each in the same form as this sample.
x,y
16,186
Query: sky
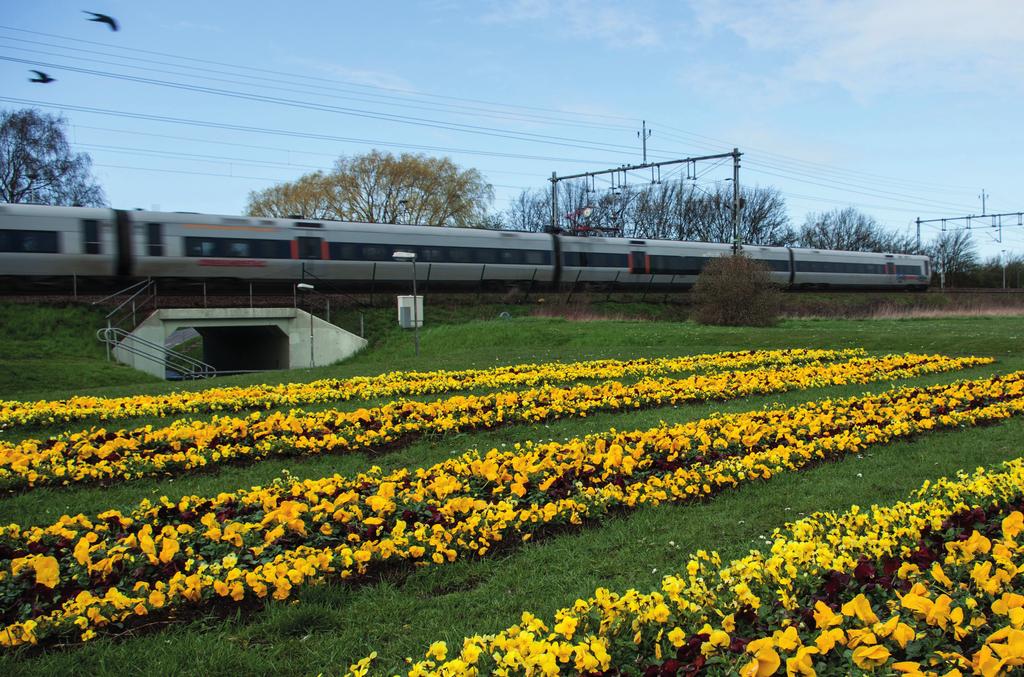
x,y
904,109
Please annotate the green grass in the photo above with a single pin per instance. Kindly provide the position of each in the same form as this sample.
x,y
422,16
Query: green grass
x,y
46,349
52,357
400,613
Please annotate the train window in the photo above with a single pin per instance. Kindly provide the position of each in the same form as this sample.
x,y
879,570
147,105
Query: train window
x,y
908,270
841,267
926,268
677,265
373,252
486,255
309,247
343,251
29,241
155,239
534,257
308,224
198,246
239,248
665,265
91,236
272,249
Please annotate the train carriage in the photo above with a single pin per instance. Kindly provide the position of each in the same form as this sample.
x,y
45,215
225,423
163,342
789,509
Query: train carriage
x,y
39,241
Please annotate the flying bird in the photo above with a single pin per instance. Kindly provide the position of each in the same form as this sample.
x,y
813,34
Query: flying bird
x,y
41,77
103,19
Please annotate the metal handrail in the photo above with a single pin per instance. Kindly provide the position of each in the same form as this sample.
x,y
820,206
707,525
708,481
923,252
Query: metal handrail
x,y
188,367
142,284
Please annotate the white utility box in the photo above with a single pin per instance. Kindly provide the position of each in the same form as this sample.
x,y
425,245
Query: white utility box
x,y
410,316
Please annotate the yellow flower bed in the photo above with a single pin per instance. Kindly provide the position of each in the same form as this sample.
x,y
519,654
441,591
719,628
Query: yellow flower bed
x,y
101,455
82,573
392,384
930,586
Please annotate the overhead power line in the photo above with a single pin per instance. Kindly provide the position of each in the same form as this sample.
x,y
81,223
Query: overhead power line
x,y
220,159
319,90
885,195
228,176
352,112
320,80
284,132
820,165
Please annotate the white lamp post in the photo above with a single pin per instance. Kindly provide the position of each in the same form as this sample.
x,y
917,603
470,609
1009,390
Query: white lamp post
x,y
411,258
302,286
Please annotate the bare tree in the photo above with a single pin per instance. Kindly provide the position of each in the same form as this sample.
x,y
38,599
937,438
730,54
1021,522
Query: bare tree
x,y
954,255
37,165
708,215
669,211
381,188
852,230
657,212
528,211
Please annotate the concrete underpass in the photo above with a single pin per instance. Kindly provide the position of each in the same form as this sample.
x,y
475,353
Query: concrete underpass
x,y
242,339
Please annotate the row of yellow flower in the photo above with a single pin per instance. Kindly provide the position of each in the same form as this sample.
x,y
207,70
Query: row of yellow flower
x,y
393,384
98,454
926,587
88,573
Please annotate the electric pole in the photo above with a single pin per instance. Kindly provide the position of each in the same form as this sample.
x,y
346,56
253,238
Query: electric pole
x,y
554,202
735,200
644,134
983,196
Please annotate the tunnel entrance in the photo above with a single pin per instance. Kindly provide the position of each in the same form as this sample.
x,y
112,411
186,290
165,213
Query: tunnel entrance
x,y
246,348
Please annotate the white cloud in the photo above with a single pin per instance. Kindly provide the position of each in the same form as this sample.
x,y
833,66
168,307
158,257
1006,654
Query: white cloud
x,y
354,75
515,11
870,47
612,23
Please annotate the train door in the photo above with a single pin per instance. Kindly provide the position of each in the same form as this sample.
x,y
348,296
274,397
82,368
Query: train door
x,y
310,248
154,239
638,262
90,236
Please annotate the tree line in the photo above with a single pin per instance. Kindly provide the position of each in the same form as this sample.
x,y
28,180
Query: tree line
x,y
37,165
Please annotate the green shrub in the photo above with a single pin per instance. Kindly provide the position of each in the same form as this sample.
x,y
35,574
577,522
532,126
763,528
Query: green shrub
x,y
736,291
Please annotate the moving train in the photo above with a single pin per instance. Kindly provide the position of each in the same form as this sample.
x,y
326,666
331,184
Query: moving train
x,y
40,241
